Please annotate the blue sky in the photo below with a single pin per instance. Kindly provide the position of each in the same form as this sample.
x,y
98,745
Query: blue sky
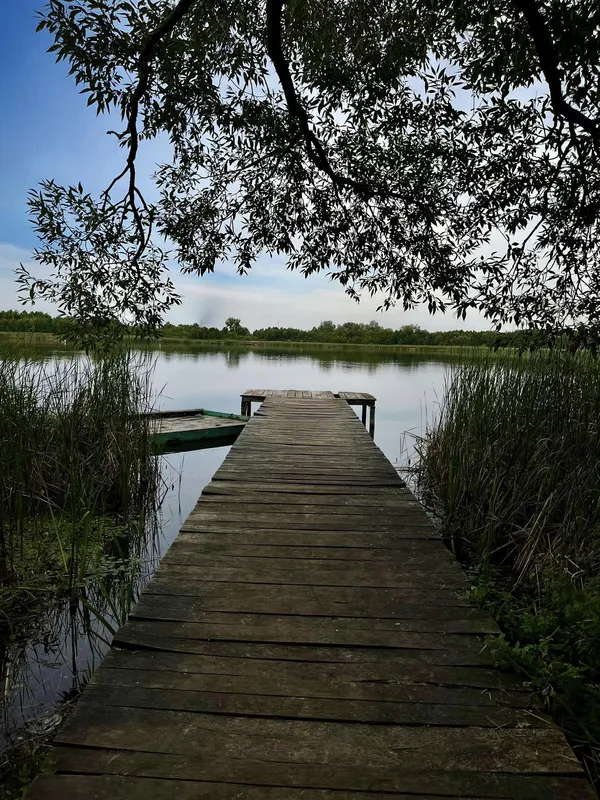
x,y
48,131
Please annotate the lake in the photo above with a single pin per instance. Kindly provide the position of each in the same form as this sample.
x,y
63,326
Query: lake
x,y
407,387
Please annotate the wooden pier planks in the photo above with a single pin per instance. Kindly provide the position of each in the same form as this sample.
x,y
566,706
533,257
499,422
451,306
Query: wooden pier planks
x,y
307,637
362,399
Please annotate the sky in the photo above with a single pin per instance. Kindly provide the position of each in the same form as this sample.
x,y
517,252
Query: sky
x,y
47,131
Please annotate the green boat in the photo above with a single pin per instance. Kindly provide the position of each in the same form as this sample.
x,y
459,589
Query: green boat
x,y
194,429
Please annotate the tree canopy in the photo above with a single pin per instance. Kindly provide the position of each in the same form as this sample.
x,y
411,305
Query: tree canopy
x,y
439,153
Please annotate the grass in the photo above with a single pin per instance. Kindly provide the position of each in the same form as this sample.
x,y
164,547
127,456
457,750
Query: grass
x,y
172,341
511,469
78,513
78,480
27,336
308,346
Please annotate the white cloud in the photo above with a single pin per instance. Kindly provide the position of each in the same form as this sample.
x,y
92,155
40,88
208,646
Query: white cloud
x,y
10,258
296,302
269,295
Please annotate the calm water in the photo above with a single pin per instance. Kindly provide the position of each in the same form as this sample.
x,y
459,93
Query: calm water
x,y
407,388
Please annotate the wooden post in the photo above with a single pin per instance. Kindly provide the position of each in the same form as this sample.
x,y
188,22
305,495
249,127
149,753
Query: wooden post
x,y
372,422
364,415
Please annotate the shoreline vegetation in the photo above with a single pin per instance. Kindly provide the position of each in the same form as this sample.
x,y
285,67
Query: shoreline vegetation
x,y
511,469
39,327
16,337
79,494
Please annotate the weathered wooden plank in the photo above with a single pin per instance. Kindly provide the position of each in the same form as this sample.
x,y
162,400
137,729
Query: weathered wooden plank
x,y
109,787
293,685
355,396
186,609
139,634
308,708
261,740
337,501
421,568
320,462
419,783
315,465
281,514
346,434
410,668
269,450
308,636
305,575
229,486
300,635
403,539
402,511
256,474
187,547
423,531
321,600
291,523
320,431
357,519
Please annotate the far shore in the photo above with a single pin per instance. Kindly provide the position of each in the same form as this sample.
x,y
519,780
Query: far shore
x,y
51,338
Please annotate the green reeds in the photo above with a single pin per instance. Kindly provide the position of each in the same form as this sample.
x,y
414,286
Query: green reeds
x,y
511,469
512,464
78,521
77,476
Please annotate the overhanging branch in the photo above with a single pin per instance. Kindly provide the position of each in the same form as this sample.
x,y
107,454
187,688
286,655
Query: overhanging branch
x,y
315,150
165,27
550,67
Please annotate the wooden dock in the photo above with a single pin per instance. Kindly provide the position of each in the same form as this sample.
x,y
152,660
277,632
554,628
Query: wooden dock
x,y
362,399
307,638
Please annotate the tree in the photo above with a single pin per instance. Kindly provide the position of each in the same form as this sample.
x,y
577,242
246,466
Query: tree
x,y
444,153
234,327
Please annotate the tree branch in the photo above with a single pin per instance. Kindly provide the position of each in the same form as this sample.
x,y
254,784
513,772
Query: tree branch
x,y
551,68
315,150
169,22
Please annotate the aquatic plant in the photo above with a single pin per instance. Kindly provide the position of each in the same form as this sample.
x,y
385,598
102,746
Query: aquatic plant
x,y
512,462
74,448
511,469
79,495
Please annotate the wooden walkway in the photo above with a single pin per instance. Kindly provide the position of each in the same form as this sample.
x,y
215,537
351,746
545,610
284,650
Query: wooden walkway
x,y
306,638
352,398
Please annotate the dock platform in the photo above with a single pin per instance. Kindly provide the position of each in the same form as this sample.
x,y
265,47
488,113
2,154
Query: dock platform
x,y
362,399
307,637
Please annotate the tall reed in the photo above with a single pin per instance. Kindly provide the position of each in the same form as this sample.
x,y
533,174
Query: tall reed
x,y
75,459
511,469
512,463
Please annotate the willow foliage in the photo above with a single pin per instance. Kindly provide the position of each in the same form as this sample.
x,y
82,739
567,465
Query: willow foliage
x,y
444,153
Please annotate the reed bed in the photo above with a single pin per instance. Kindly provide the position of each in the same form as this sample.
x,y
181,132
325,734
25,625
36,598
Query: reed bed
x,y
74,450
79,498
511,469
512,464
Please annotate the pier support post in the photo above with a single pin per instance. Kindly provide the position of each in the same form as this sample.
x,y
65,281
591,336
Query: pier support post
x,y
372,422
364,415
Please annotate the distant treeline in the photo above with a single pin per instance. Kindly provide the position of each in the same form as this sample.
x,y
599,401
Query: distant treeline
x,y
345,333
327,332
34,322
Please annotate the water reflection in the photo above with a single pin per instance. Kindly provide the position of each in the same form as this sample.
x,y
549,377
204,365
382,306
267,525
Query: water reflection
x,y
58,646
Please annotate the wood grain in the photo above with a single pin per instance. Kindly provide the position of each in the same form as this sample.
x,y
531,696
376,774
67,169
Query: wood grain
x,y
308,637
